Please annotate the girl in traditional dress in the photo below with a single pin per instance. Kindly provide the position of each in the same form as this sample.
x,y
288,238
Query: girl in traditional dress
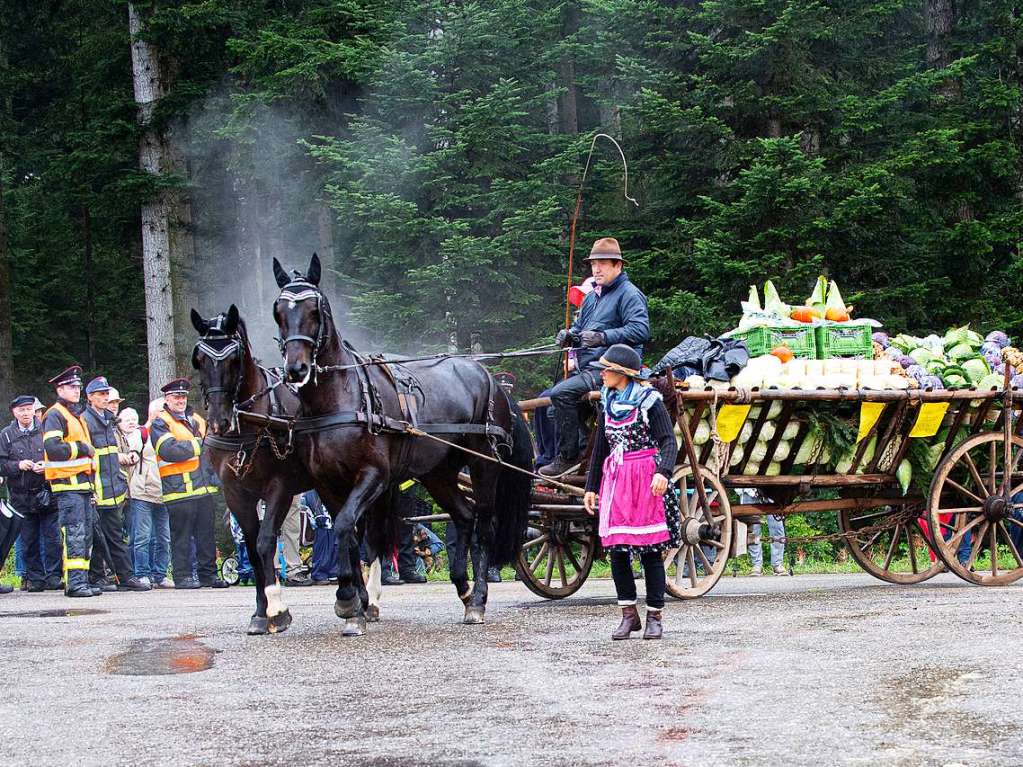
x,y
632,463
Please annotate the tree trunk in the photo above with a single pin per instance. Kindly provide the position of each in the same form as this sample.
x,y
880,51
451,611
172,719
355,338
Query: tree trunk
x,y
325,237
90,290
568,107
6,285
940,18
149,88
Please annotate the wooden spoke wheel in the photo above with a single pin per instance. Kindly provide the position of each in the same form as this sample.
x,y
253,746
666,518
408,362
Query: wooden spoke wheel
x,y
694,567
978,509
896,554
558,554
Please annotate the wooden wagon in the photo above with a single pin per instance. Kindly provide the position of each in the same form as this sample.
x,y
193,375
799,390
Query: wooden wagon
x,y
970,521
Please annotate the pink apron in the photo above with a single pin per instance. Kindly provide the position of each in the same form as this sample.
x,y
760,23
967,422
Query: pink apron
x,y
630,514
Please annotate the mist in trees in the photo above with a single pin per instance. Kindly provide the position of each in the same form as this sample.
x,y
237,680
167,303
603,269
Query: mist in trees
x,y
430,152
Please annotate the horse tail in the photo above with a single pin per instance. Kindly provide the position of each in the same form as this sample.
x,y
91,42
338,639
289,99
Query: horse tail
x,y
514,491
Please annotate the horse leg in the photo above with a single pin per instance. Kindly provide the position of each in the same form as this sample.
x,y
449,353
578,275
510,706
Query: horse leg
x,y
278,614
484,488
374,589
249,523
368,486
444,490
242,504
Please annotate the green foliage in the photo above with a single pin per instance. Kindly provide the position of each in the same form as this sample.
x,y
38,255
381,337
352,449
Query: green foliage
x,y
776,138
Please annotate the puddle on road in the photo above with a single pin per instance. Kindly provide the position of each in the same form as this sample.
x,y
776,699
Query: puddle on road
x,y
159,657
68,613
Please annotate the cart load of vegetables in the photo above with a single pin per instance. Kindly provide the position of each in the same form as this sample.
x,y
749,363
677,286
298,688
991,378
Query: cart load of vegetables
x,y
959,359
824,306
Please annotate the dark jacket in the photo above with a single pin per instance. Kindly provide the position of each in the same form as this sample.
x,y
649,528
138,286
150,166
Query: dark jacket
x,y
620,313
17,446
170,450
57,449
109,482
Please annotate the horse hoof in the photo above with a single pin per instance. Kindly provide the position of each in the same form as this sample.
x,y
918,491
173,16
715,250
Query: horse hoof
x,y
473,615
280,622
354,627
466,597
258,625
373,614
347,608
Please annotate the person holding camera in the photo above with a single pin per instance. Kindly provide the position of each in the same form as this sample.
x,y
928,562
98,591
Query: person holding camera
x,y
21,464
615,312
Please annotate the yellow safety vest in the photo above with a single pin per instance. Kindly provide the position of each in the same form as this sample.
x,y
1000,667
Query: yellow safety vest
x,y
178,431
63,475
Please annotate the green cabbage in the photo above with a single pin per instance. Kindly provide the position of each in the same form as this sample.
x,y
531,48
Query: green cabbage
x,y
991,381
702,434
773,469
976,368
905,475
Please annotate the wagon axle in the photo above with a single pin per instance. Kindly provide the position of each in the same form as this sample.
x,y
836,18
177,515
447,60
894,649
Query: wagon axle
x,y
996,508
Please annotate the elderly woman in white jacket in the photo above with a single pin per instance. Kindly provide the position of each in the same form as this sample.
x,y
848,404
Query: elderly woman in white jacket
x,y
150,523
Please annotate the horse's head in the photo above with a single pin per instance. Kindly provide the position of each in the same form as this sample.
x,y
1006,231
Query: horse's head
x,y
303,317
219,356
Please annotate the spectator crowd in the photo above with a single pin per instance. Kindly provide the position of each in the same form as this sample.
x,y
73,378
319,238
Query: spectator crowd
x,y
100,501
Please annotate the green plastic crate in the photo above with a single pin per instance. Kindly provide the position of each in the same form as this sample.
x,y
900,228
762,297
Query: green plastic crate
x,y
852,341
761,340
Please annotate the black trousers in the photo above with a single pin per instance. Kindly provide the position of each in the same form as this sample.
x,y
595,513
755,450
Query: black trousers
x,y
625,584
77,516
9,529
109,549
40,534
565,397
192,519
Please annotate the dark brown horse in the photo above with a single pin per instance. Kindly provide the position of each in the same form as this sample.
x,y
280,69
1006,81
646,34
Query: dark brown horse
x,y
457,400
249,466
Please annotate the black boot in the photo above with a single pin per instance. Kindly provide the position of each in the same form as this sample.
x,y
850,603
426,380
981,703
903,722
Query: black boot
x,y
558,467
630,622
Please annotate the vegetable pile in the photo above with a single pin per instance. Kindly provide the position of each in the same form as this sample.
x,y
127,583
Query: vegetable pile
x,y
961,359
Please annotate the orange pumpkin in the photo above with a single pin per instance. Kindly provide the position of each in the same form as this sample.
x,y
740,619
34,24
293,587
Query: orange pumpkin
x,y
836,315
802,314
783,353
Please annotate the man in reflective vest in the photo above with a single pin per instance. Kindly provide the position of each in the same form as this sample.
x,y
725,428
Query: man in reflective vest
x,y
110,490
67,454
188,486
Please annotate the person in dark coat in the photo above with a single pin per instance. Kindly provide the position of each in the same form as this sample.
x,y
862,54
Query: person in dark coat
x,y
68,454
21,464
614,313
188,486
110,491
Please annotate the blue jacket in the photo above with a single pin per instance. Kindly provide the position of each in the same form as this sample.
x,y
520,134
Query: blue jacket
x,y
620,313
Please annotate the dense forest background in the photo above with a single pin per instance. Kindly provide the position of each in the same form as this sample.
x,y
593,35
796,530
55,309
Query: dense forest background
x,y
430,152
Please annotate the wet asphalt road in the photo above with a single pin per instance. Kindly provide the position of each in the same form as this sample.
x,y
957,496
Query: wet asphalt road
x,y
808,670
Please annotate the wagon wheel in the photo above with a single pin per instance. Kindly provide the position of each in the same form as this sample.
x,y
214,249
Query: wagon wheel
x,y
975,511
694,567
557,555
886,553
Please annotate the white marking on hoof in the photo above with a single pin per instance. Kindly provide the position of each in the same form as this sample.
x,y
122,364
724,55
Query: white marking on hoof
x,y
354,627
274,601
473,615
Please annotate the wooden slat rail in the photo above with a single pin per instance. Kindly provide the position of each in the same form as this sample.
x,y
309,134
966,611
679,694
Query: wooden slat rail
x,y
757,425
898,412
779,429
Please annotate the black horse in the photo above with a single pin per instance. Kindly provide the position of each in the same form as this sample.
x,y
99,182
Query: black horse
x,y
360,442
250,467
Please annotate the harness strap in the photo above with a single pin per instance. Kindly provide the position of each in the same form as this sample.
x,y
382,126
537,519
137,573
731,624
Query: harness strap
x,y
353,418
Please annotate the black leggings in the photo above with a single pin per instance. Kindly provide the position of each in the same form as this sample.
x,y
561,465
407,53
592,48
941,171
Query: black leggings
x,y
653,573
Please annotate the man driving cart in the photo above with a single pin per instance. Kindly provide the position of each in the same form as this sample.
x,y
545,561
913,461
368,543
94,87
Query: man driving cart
x,y
615,312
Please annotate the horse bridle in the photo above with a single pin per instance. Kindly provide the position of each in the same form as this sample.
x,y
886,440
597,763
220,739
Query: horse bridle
x,y
302,290
232,348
